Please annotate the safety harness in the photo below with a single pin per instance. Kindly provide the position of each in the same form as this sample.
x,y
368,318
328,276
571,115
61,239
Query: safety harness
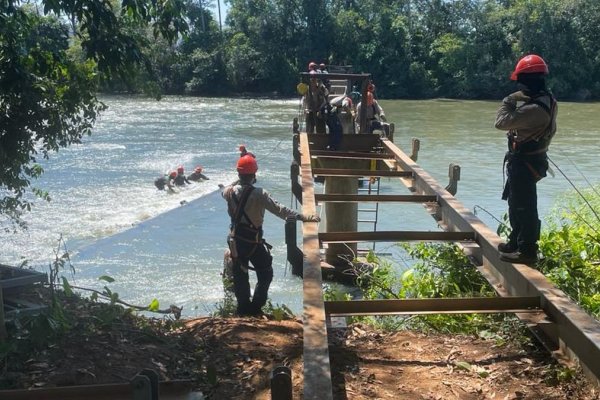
x,y
537,145
245,232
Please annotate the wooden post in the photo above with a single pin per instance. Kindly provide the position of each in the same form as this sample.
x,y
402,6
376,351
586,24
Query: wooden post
x,y
281,383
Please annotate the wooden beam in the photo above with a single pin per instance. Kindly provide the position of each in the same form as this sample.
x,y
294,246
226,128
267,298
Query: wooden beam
x,y
470,305
317,367
348,154
362,143
369,198
359,172
394,236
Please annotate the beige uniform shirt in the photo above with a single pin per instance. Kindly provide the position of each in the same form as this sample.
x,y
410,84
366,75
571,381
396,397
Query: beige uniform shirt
x,y
258,201
528,121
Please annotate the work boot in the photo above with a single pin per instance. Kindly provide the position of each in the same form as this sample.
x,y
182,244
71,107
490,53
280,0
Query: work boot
x,y
518,257
507,247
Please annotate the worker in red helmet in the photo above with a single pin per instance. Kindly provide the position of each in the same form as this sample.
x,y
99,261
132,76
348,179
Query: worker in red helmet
x,y
165,181
197,175
315,103
375,118
180,178
244,151
529,117
246,205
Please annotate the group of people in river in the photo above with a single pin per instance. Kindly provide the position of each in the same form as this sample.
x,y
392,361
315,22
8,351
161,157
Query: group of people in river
x,y
342,114
178,178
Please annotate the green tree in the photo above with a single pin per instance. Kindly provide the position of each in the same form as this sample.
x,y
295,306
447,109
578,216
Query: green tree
x,y
47,97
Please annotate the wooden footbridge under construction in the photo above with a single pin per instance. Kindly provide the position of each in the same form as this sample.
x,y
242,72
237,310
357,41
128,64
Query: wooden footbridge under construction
x,y
562,326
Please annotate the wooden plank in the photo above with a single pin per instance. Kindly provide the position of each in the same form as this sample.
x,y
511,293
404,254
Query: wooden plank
x,y
317,368
394,236
350,155
350,142
577,330
468,305
359,172
370,198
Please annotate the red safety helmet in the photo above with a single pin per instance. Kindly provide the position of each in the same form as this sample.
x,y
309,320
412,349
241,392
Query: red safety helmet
x,y
530,64
180,169
370,98
247,165
173,174
371,87
312,65
198,169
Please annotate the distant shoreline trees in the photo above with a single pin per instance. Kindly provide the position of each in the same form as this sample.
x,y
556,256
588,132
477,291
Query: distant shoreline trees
x,y
413,48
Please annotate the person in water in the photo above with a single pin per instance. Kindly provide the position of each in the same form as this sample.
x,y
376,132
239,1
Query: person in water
x,y
529,116
164,181
197,175
180,178
246,205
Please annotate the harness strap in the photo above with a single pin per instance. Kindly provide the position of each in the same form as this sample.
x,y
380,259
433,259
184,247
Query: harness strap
x,y
236,215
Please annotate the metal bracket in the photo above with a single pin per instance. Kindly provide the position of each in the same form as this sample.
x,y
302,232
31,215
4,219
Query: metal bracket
x,y
416,145
294,254
294,175
145,385
454,175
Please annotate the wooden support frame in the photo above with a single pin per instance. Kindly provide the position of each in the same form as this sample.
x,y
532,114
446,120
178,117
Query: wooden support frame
x,y
575,330
369,198
394,236
349,155
360,173
465,305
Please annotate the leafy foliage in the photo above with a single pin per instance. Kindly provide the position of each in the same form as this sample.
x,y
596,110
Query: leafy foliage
x,y
48,91
571,249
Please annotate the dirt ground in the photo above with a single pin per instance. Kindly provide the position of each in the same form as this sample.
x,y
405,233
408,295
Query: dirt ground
x,y
231,358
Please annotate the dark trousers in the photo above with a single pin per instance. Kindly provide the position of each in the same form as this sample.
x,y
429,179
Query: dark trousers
x,y
521,193
312,122
262,262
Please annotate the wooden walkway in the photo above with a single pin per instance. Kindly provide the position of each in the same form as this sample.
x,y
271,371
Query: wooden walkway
x,y
558,322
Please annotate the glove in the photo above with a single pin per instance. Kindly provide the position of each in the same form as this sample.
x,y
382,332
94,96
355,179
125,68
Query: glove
x,y
516,96
383,118
309,218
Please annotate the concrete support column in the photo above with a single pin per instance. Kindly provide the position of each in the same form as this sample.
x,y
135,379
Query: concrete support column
x,y
341,217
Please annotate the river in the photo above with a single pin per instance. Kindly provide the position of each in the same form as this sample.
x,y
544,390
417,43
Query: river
x,y
170,247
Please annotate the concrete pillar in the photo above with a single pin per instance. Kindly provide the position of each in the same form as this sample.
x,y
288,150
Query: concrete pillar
x,y
341,217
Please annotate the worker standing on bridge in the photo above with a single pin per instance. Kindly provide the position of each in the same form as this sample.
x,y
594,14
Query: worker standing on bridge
x,y
246,205
315,103
529,116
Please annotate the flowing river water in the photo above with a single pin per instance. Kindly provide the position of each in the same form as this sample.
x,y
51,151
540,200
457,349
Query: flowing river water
x,y
170,246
